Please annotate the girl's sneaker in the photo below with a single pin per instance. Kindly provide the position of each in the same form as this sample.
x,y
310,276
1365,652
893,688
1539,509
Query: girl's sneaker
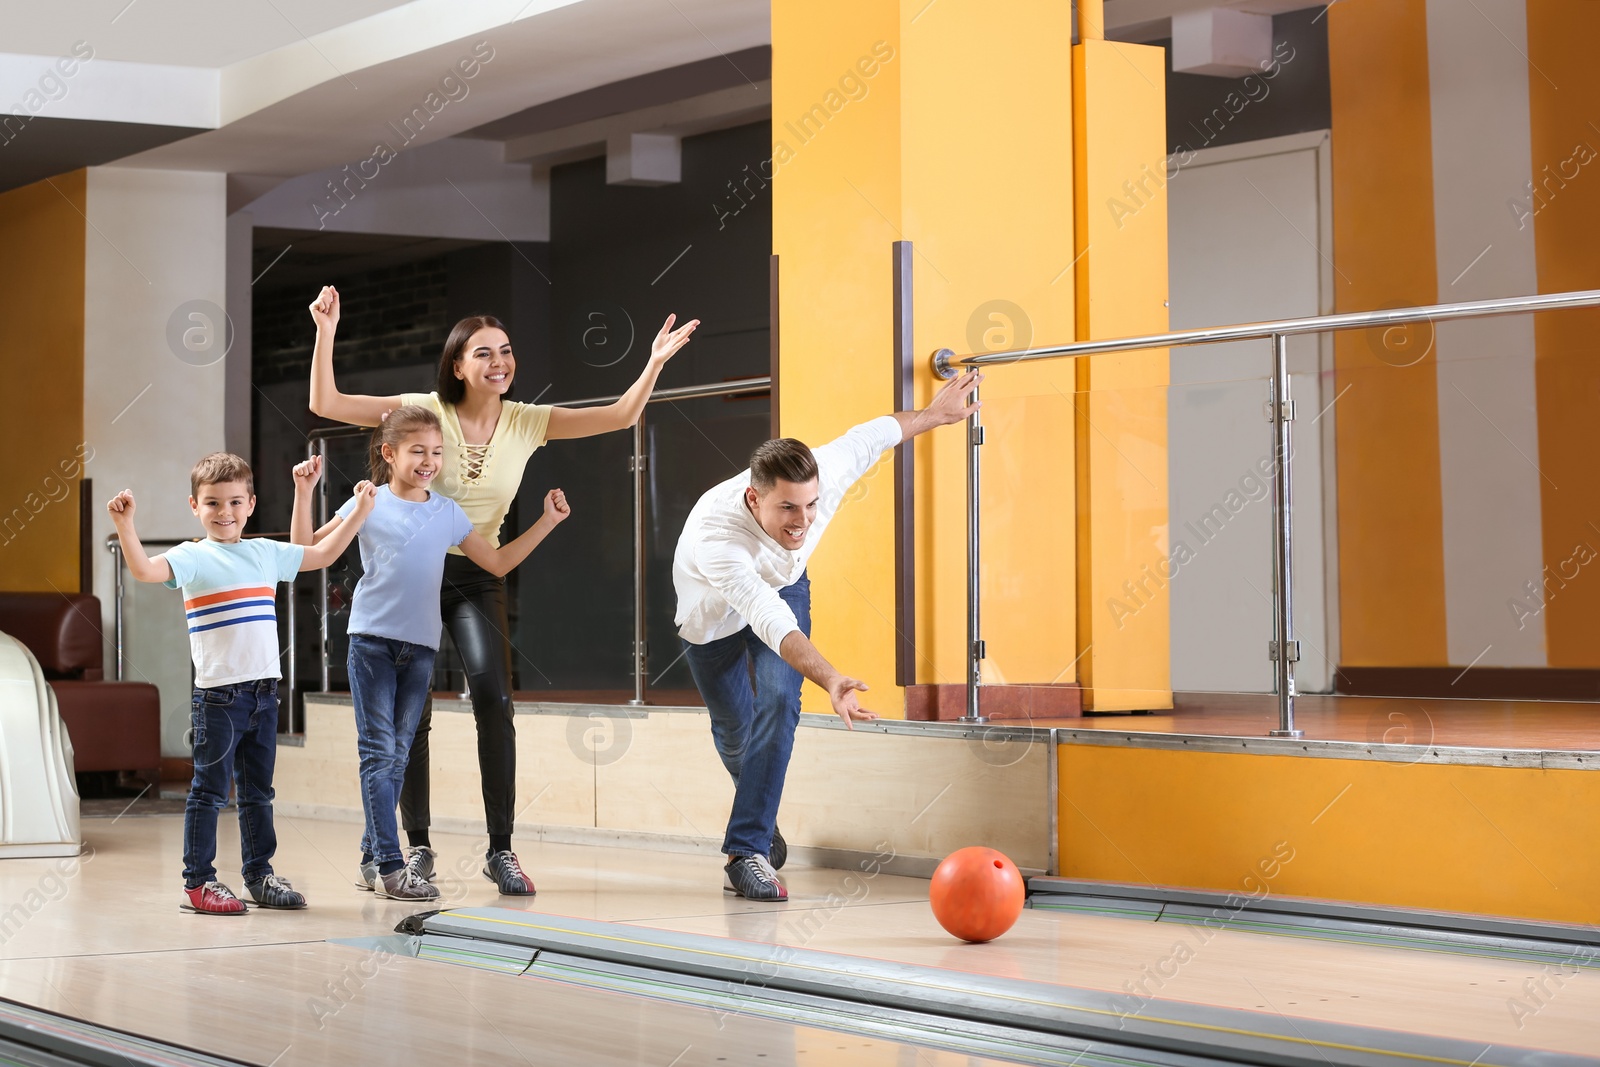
x,y
212,898
404,885
275,892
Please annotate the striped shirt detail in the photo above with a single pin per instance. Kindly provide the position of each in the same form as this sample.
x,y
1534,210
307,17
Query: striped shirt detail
x,y
231,607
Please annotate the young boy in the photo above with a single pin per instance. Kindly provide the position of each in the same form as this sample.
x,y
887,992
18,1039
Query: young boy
x,y
229,589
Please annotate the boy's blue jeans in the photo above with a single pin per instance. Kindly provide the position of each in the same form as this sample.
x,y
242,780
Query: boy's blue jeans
x,y
753,726
389,682
235,733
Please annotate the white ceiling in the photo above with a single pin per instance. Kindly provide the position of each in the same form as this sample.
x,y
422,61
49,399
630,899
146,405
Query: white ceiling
x,y
182,33
290,87
360,89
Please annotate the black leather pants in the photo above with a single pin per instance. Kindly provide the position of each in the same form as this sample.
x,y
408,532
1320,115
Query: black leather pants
x,y
474,607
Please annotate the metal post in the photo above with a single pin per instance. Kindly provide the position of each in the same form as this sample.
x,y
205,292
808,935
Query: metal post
x,y
116,578
320,448
294,673
974,640
1285,649
640,652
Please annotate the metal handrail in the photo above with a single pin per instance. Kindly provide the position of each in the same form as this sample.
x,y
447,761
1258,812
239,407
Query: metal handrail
x,y
1283,649
944,361
316,445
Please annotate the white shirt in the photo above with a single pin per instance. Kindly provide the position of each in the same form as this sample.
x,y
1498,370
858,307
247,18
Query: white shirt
x,y
728,570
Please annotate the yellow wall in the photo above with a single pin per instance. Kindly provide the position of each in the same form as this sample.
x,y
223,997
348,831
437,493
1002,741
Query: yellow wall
x,y
836,209
1391,533
1560,36
42,231
1120,134
979,184
1489,840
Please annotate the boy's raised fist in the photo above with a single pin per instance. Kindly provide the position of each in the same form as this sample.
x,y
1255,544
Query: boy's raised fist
x,y
307,472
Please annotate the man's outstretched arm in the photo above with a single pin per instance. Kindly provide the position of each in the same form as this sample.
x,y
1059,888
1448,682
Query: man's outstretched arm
x,y
798,652
731,572
949,405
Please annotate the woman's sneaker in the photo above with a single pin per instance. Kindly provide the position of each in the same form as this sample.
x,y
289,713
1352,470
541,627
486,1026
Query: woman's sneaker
x,y
404,885
212,898
369,875
275,892
753,878
780,850
506,873
419,862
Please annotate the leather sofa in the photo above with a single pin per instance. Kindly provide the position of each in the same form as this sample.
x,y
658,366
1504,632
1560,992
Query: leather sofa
x,y
114,726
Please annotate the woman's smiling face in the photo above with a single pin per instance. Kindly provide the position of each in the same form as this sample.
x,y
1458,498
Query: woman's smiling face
x,y
487,365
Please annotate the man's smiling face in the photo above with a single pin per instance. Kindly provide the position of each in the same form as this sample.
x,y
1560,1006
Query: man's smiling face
x,y
786,511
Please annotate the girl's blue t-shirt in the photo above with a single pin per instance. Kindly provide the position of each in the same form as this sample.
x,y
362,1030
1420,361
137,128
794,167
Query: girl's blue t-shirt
x,y
403,545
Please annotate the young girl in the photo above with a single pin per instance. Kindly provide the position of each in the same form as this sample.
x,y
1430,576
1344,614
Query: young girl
x,y
395,623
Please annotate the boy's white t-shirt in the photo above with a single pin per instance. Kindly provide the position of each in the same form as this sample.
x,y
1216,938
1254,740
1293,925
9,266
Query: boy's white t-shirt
x,y
229,592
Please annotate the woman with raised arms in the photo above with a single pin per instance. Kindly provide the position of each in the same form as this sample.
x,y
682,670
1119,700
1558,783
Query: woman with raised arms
x,y
488,439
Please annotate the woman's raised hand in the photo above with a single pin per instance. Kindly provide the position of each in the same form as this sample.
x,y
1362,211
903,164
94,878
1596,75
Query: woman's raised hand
x,y
668,341
556,507
325,308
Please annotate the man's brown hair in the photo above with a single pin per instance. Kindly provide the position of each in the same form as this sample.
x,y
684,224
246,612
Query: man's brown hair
x,y
221,467
782,459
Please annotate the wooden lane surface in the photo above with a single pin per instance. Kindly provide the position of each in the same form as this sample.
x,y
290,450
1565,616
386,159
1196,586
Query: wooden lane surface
x,y
275,1005
1389,988
1386,720
121,904
102,938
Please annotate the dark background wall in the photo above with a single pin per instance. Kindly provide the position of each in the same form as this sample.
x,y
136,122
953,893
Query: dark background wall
x,y
623,258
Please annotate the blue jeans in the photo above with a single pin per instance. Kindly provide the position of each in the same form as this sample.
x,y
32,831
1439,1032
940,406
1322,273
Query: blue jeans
x,y
235,733
753,726
389,681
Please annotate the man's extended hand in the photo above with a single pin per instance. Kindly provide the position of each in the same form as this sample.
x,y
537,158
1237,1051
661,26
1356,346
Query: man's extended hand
x,y
949,405
842,693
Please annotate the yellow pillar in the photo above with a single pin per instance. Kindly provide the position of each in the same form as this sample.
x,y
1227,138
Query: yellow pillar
x,y
1124,560
41,331
949,125
945,125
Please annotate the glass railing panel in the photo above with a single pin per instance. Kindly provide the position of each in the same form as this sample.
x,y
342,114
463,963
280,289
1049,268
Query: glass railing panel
x,y
691,446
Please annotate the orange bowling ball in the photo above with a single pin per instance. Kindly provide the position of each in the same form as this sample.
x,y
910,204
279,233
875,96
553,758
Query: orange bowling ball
x,y
976,893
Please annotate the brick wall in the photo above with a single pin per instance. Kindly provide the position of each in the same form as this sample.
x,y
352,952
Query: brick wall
x,y
389,317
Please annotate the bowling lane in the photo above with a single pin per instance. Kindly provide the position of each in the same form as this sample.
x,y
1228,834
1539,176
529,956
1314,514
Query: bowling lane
x,y
313,1004
1494,1001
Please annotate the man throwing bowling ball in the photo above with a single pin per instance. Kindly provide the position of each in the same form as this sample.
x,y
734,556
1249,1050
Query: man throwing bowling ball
x,y
744,613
